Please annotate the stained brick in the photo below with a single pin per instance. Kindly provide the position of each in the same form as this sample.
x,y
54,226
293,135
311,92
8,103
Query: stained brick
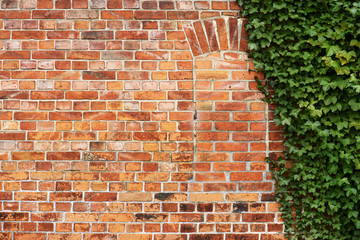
x,y
129,119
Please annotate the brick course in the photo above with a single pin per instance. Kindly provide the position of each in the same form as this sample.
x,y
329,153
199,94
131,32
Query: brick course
x,y
132,119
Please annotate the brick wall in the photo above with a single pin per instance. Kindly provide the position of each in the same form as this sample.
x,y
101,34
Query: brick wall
x,y
132,119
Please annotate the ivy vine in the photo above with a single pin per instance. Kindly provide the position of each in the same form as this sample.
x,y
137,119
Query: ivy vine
x,y
309,51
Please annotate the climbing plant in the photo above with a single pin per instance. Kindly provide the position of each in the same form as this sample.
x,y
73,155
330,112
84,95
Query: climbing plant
x,y
309,51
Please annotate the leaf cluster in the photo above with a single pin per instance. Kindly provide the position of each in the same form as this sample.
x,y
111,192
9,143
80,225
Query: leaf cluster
x,y
310,53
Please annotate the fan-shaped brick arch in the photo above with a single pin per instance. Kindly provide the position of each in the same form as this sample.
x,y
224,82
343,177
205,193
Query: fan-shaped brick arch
x,y
216,34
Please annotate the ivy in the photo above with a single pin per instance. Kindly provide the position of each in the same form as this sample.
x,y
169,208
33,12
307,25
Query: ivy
x,y
310,53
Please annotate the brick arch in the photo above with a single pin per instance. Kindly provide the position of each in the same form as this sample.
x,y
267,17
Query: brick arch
x,y
216,34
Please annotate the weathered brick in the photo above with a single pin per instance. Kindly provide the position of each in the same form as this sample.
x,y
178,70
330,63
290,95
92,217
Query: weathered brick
x,y
81,95
242,236
132,35
63,156
59,236
153,176
116,217
47,95
117,55
28,156
25,236
28,35
48,14
187,217
114,176
142,14
135,197
182,15
206,236
100,197
108,133
88,55
12,136
81,217
30,196
82,14
28,75
63,35
14,216
80,176
66,196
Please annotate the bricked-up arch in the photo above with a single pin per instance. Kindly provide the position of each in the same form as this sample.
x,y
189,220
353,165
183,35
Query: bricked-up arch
x,y
234,131
132,119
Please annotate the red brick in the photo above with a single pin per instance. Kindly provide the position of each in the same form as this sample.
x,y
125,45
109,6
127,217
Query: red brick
x,y
28,35
132,35
242,236
249,116
114,4
79,136
133,116
14,216
28,75
206,236
100,197
59,236
79,217
114,14
81,176
128,156
81,95
249,156
12,136
4,34
88,55
212,157
132,75
30,196
28,156
115,136
246,176
15,54
82,14
65,116
150,95
194,44
44,136
222,33
210,31
258,217
96,116
212,136
47,95
26,236
201,36
116,217
182,15
141,14
249,136
63,156
147,136
135,236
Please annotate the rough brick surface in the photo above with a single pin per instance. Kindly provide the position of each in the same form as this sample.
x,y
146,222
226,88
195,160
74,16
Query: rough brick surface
x,y
132,119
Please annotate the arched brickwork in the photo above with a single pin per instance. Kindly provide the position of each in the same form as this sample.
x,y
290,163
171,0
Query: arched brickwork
x,y
216,34
132,119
